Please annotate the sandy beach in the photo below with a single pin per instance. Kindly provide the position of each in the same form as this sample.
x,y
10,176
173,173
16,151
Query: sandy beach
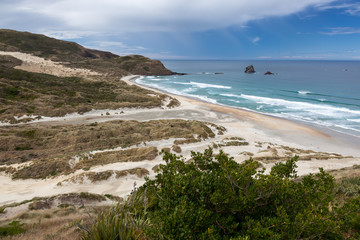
x,y
269,140
268,127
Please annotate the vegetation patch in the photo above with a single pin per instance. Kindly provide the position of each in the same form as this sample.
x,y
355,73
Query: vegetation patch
x,y
232,141
213,197
9,61
24,143
176,148
349,186
42,169
23,93
13,228
282,153
59,222
41,204
129,155
105,175
53,167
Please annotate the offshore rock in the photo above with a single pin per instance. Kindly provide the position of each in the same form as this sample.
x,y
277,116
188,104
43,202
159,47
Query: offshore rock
x,y
250,69
268,73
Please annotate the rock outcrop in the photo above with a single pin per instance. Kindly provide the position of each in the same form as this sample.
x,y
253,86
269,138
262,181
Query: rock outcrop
x,y
250,69
268,73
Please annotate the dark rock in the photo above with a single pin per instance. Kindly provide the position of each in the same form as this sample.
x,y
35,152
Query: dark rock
x,y
180,74
268,73
219,73
250,69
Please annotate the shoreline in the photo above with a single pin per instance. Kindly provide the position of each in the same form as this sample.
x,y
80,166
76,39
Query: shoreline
x,y
269,140
280,127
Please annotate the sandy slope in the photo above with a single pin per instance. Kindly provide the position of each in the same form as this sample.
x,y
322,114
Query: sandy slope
x,y
36,64
267,137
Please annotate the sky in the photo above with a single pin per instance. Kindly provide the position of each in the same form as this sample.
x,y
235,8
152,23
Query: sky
x,y
197,29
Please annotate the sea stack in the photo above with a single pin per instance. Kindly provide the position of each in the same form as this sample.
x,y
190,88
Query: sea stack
x,y
250,69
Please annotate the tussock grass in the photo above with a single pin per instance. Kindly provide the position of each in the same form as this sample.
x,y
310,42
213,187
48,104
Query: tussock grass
x,y
349,186
26,93
303,155
23,143
123,221
52,167
59,221
105,175
55,223
231,141
176,148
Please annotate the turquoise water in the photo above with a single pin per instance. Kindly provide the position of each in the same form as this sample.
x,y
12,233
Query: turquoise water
x,y
324,93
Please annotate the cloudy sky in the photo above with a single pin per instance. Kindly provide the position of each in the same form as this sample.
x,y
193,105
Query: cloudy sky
x,y
197,29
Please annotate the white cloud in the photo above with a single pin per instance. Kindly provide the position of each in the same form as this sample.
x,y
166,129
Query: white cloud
x,y
265,57
255,40
144,15
341,31
349,8
115,46
65,35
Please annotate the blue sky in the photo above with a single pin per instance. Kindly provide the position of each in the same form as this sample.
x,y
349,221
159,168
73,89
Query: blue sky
x,y
197,29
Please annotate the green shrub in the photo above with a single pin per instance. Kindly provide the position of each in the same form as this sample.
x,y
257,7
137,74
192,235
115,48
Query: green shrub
x,y
13,228
217,198
12,91
23,147
213,197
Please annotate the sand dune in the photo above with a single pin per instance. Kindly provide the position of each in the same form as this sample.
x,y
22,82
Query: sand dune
x,y
268,139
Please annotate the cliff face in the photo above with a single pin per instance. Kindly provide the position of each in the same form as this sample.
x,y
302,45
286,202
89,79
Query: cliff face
x,y
75,55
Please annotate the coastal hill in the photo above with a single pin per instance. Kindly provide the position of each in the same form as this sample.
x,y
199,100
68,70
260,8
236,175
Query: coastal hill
x,y
42,76
71,53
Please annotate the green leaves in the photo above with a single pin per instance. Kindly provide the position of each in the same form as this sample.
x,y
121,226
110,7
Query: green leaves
x,y
213,197
285,170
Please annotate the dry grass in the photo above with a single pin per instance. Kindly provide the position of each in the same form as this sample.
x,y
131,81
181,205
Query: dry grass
x,y
176,148
129,155
348,172
25,93
105,175
28,142
283,153
55,223
231,141
53,167
58,217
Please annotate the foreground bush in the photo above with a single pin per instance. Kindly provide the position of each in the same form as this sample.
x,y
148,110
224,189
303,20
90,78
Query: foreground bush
x,y
217,198
122,222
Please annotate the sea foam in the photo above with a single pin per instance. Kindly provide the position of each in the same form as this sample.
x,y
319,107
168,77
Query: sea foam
x,y
203,85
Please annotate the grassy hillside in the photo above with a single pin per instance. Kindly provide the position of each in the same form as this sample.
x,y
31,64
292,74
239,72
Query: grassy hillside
x,y
47,47
23,92
78,56
38,94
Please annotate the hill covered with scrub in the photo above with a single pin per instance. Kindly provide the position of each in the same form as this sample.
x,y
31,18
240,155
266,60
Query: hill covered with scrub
x,y
80,80
75,55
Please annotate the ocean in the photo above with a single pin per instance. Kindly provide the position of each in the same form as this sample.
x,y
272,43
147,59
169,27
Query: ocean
x,y
320,93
